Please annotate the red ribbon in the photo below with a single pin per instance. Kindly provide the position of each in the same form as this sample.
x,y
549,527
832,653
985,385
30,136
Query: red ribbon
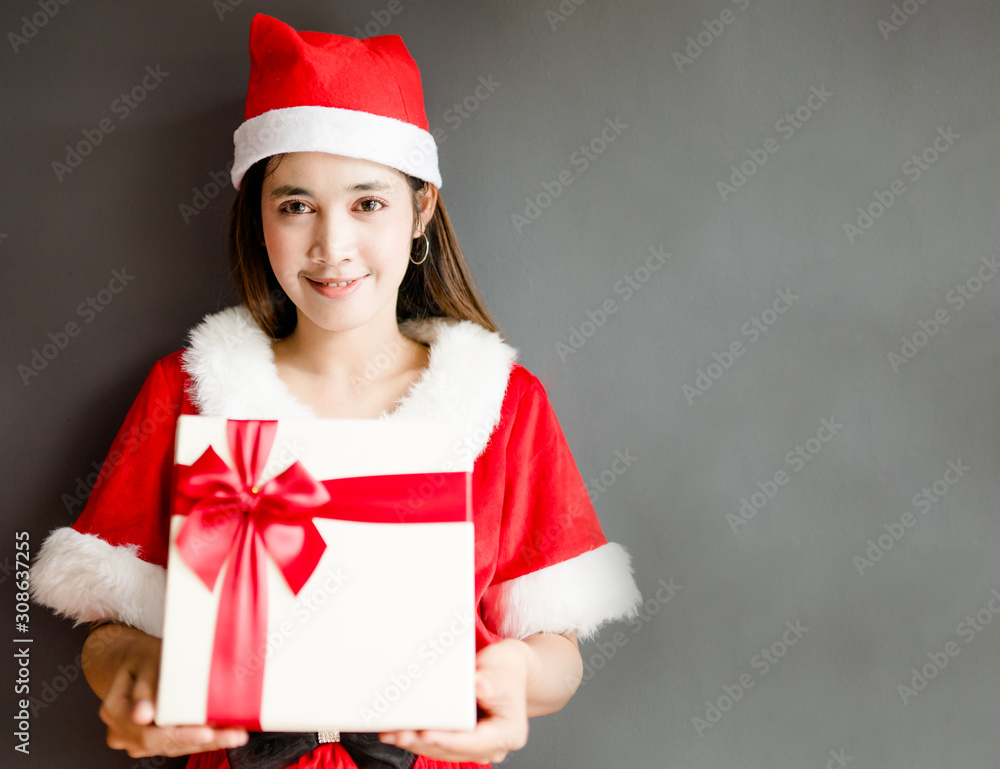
x,y
230,516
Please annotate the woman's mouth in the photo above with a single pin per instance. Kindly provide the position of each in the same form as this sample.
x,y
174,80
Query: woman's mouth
x,y
339,283
334,289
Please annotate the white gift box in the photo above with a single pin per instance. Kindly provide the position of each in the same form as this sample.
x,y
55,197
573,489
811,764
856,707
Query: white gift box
x,y
381,636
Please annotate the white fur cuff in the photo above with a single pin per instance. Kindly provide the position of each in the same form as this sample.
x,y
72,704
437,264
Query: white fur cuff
x,y
578,595
84,578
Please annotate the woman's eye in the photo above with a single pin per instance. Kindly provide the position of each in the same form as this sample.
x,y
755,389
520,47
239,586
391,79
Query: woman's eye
x,y
295,207
371,205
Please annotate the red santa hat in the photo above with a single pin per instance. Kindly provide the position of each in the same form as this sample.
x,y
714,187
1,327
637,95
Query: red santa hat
x,y
318,92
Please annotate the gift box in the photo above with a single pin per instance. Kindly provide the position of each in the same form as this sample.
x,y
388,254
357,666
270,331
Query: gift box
x,y
320,576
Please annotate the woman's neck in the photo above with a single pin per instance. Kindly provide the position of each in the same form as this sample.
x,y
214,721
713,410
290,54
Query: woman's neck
x,y
356,373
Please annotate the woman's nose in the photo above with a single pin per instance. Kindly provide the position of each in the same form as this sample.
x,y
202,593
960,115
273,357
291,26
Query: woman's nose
x,y
335,238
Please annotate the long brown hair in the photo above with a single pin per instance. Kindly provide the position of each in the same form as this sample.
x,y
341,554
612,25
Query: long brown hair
x,y
440,287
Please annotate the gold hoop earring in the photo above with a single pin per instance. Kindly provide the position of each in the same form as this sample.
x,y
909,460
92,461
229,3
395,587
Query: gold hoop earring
x,y
427,250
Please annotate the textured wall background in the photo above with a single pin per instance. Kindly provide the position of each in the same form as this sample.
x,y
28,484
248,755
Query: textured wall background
x,y
750,246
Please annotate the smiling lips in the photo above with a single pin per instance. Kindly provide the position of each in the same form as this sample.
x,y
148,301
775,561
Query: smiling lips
x,y
338,284
335,289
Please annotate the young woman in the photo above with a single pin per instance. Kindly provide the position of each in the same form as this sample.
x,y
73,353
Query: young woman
x,y
356,303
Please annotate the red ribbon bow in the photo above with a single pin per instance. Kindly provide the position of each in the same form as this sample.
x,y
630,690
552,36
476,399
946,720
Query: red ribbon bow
x,y
225,506
231,516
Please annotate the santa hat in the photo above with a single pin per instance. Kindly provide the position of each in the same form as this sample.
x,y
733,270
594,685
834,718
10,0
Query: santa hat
x,y
318,92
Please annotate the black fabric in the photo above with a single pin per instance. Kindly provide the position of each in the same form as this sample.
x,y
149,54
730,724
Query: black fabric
x,y
369,752
277,750
272,750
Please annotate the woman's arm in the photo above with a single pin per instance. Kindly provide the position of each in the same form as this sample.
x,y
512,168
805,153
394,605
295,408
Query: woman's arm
x,y
515,680
555,670
121,665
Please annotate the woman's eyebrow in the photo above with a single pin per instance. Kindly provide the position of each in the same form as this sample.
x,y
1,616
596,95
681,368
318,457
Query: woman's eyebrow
x,y
369,186
286,190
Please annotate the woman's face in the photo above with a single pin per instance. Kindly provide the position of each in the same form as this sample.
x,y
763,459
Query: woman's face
x,y
332,220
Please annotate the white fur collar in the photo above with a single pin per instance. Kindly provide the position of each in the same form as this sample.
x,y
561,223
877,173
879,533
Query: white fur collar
x,y
233,374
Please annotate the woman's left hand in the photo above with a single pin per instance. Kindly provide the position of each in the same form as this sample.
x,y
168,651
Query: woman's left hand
x,y
501,690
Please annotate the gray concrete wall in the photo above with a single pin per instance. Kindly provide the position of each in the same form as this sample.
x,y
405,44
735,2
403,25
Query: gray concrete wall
x,y
816,336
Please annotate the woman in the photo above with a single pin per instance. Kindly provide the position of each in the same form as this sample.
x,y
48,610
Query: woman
x,y
342,252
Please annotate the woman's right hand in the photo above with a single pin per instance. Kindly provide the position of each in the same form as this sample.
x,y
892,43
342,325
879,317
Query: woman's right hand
x,y
122,666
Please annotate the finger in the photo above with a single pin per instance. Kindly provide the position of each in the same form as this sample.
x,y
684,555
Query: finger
x,y
481,739
402,738
485,690
191,735
488,742
117,700
416,742
182,740
438,753
231,738
205,737
143,695
499,700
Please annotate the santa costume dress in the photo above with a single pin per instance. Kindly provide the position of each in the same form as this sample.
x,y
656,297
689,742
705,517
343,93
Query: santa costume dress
x,y
542,563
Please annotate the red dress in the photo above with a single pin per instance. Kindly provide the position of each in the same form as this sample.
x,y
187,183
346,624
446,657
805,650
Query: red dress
x,y
542,561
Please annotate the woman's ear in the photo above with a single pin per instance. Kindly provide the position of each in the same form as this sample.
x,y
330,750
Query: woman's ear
x,y
426,203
